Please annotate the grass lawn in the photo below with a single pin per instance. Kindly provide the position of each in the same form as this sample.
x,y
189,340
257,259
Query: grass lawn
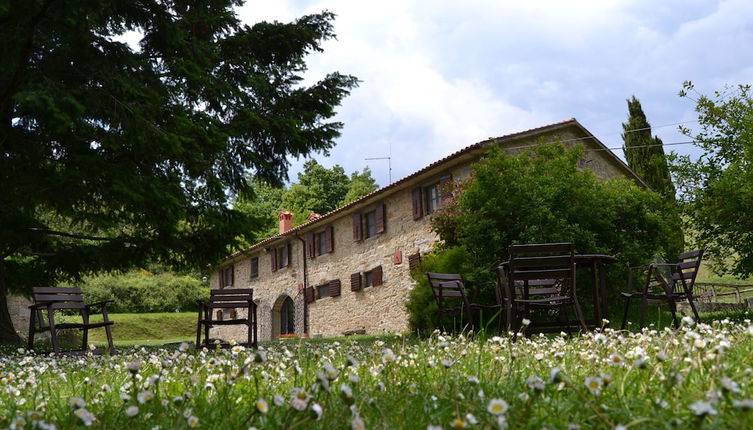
x,y
146,329
694,377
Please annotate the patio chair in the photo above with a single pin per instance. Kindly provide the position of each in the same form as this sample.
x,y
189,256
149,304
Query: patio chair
x,y
48,300
665,282
451,298
211,314
540,278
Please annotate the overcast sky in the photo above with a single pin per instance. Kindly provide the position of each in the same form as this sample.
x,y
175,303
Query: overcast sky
x,y
438,75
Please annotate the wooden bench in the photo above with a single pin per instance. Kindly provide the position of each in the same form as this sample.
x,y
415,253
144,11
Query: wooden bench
x,y
47,300
211,314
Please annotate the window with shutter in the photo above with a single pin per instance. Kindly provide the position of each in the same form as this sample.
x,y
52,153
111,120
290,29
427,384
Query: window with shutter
x,y
418,209
219,314
273,259
321,243
377,276
381,217
310,245
357,231
323,291
254,267
330,236
309,294
334,287
355,282
226,277
414,261
444,186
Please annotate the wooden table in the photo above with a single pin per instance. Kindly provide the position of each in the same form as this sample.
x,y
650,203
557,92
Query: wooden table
x,y
596,264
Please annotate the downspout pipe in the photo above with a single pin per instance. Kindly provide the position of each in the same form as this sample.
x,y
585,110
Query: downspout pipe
x,y
305,285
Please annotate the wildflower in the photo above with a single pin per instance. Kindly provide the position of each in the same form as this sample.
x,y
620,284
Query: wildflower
x,y
357,424
447,363
497,407
260,356
318,411
471,419
144,396
431,427
746,404
85,416
730,385
458,423
278,400
616,360
535,383
192,421
555,375
525,322
412,389
353,362
594,384
640,363
19,422
262,406
133,367
620,427
34,415
77,402
388,356
701,409
524,397
688,321
330,372
132,411
183,347
347,393
300,400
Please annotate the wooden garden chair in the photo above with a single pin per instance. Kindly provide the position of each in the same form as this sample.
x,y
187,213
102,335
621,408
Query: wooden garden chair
x,y
212,314
48,300
540,278
671,283
451,298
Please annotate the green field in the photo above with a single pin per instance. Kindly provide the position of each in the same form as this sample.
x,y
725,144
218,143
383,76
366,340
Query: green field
x,y
146,329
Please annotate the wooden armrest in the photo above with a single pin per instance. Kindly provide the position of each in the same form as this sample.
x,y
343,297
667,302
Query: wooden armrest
x,y
102,303
40,305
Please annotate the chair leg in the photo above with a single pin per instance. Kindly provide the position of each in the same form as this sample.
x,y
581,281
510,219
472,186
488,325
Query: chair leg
x,y
108,333
32,323
579,314
692,306
673,310
53,334
625,313
84,339
644,305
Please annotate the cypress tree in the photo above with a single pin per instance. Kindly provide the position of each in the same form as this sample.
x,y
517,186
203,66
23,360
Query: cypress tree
x,y
645,155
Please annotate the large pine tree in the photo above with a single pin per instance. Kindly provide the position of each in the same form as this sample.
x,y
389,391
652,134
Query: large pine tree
x,y
645,155
112,156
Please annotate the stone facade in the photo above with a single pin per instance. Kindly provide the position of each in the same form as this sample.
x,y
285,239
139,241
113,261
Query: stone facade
x,y
379,308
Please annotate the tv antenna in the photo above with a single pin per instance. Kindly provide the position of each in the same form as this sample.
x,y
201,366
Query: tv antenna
x,y
389,163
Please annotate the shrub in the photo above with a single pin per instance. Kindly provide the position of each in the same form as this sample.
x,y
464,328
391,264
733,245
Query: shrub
x,y
143,292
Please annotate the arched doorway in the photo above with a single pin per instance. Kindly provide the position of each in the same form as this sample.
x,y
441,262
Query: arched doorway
x,y
283,316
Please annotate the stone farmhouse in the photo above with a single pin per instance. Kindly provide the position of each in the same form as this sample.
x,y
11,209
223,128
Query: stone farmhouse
x,y
349,269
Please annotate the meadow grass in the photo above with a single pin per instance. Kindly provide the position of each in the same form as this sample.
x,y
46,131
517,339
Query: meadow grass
x,y
145,329
694,377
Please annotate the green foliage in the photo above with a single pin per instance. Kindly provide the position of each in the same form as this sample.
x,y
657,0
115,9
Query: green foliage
x,y
318,190
540,195
143,292
717,188
111,156
645,155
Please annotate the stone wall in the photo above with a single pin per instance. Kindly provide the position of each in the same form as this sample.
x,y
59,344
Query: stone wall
x,y
18,307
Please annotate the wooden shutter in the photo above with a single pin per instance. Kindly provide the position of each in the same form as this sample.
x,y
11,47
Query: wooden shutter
x,y
334,287
222,278
418,204
444,186
329,234
414,260
233,314
289,250
309,293
357,227
355,282
310,245
219,314
381,214
273,258
376,275
231,270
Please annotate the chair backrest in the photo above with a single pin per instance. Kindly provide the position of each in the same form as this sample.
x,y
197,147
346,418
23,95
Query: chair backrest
x,y
230,298
59,298
542,265
688,265
446,285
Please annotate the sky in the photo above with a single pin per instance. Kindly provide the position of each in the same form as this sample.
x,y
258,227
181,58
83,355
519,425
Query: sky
x,y
439,75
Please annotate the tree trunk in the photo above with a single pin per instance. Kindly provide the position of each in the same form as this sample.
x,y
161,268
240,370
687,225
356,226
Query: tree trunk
x,y
8,334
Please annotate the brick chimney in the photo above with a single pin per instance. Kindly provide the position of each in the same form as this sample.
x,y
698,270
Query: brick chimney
x,y
286,221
